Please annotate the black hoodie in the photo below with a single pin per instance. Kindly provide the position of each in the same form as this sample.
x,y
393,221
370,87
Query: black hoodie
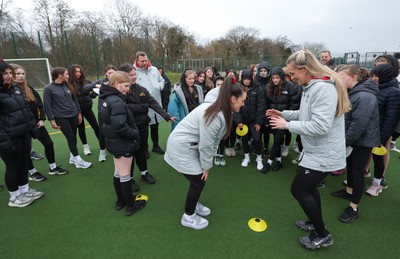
x,y
120,130
263,81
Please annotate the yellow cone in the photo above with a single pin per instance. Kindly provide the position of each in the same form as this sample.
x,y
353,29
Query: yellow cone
x,y
257,224
242,131
141,197
379,151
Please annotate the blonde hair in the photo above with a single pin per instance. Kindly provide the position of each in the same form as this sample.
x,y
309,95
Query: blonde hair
x,y
306,59
119,77
28,93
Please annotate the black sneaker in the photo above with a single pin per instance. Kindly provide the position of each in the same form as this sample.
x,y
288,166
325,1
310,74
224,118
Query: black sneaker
x,y
37,177
384,184
305,225
266,168
349,215
135,187
148,178
119,205
158,150
342,194
58,170
313,241
278,165
138,205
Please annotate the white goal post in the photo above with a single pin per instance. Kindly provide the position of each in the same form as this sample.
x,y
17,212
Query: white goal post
x,y
38,70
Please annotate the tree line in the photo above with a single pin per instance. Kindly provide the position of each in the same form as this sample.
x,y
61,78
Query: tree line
x,y
96,39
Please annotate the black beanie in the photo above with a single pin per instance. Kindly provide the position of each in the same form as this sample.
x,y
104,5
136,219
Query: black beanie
x,y
278,71
3,67
384,72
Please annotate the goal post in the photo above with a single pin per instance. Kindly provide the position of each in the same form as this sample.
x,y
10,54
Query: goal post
x,y
38,70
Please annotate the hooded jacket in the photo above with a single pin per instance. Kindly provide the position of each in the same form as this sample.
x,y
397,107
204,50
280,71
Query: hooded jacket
x,y
362,121
322,133
121,133
263,81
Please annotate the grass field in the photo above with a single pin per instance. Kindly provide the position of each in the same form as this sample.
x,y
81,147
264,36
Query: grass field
x,y
76,217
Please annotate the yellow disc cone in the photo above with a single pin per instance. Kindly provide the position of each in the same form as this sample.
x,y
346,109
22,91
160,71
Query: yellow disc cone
x,y
379,151
141,197
242,131
257,224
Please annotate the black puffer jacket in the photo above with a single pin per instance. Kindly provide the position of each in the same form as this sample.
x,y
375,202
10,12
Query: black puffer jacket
x,y
84,97
16,118
362,121
139,102
37,108
263,81
287,100
120,131
253,109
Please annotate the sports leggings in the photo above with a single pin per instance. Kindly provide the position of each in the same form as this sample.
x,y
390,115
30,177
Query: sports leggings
x,y
68,128
91,118
46,141
193,195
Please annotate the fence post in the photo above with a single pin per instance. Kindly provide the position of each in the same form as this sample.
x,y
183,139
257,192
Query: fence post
x,y
15,46
121,50
67,46
95,55
41,45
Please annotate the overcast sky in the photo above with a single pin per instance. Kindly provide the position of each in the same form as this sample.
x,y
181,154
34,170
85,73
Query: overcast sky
x,y
343,25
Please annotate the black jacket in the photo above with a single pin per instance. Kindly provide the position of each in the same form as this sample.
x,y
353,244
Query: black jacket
x,y
37,107
120,131
287,100
16,119
166,91
362,121
253,109
84,97
139,101
263,81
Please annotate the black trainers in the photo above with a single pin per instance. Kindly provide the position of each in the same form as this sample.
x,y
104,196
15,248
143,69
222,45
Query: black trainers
x,y
58,170
38,177
135,187
138,205
305,225
342,194
266,168
384,184
119,205
313,241
278,165
148,178
349,215
158,150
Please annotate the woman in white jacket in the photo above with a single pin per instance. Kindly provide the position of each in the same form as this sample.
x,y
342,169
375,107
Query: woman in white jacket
x,y
194,141
320,122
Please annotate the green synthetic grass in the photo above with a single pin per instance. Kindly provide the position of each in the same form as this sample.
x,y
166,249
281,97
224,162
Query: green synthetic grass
x,y
76,217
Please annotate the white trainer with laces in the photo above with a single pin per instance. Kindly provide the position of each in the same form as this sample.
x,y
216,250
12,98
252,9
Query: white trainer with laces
x,y
80,163
259,163
33,194
284,150
194,221
102,155
245,161
20,201
202,210
86,150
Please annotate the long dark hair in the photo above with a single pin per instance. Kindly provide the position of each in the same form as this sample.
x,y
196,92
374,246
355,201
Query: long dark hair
x,y
75,82
228,89
60,71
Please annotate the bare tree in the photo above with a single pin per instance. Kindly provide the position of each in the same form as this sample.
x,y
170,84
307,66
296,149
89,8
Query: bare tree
x,y
124,16
314,47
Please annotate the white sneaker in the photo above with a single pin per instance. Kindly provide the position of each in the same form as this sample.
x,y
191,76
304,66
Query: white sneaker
x,y
222,160
194,221
33,194
296,148
102,155
259,163
374,190
228,152
20,201
245,161
86,150
80,163
285,150
72,160
233,152
202,210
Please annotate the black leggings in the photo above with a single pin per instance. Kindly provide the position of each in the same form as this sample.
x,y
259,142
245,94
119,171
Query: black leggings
x,y
140,154
46,141
91,118
252,133
231,139
16,161
265,132
355,171
102,138
154,134
193,195
221,147
68,128
304,189
288,138
278,140
379,166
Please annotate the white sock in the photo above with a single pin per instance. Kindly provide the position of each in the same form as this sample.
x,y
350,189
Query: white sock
x,y
247,155
14,195
279,159
85,146
143,172
78,157
23,188
270,161
259,157
52,166
32,171
102,151
377,181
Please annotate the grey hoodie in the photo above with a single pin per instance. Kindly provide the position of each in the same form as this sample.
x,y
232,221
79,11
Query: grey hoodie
x,y
59,102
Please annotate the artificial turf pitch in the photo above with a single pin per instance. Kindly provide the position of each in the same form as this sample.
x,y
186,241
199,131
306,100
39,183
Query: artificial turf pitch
x,y
76,217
